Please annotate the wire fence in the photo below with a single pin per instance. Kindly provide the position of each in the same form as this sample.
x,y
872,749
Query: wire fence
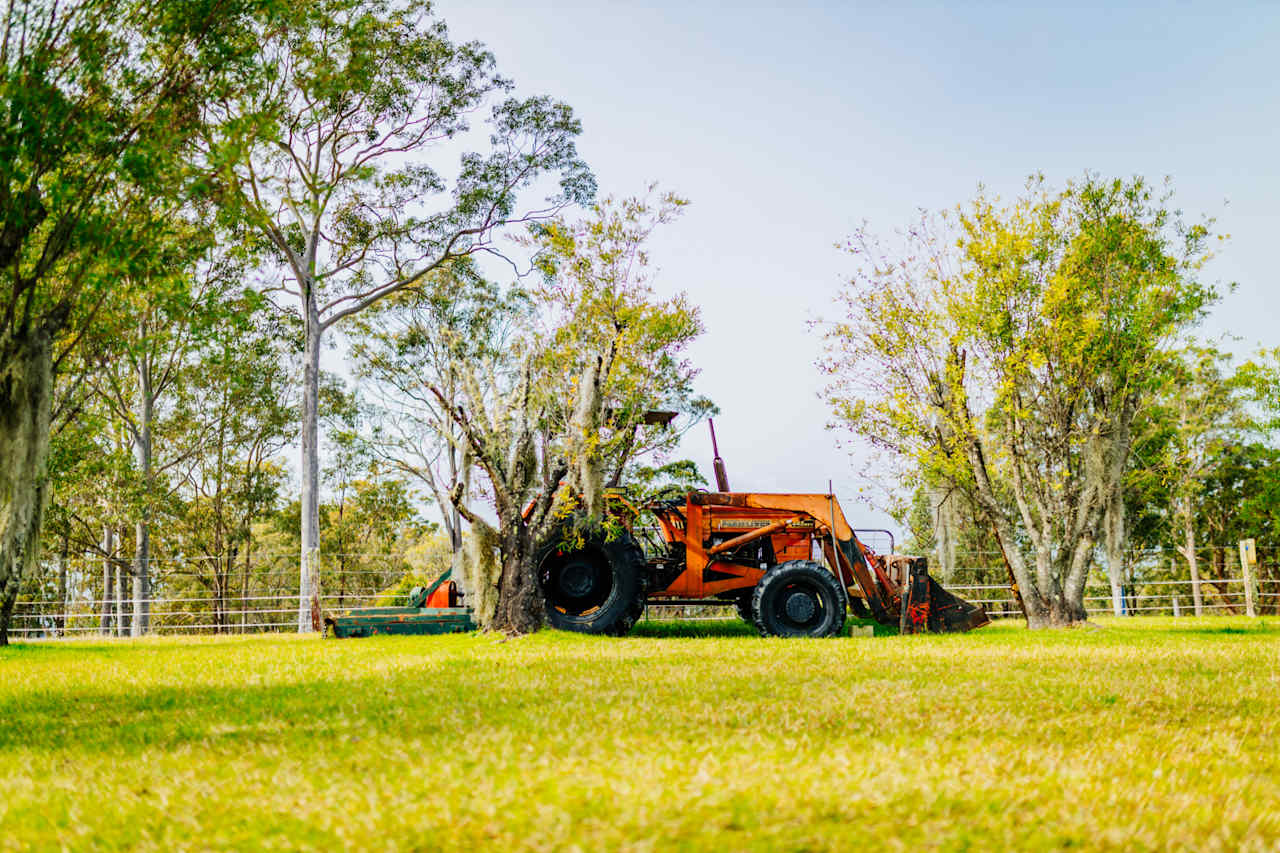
x,y
81,597
245,594
1156,598
238,615
1154,582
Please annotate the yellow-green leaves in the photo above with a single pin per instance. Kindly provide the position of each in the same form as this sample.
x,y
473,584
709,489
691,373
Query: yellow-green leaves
x,y
1004,349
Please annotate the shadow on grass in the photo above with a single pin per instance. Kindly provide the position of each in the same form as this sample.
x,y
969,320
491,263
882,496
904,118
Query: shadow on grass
x,y
1261,628
333,710
732,628
693,628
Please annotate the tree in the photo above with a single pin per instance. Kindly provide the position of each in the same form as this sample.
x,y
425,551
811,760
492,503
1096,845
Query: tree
x,y
616,350
97,101
370,517
561,407
416,342
235,408
1005,351
323,151
92,488
1204,414
143,348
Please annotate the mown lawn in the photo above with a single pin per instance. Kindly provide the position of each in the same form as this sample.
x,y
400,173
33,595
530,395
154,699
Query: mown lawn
x,y
1148,734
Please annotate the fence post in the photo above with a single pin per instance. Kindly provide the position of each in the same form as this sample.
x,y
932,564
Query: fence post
x,y
1248,559
1176,612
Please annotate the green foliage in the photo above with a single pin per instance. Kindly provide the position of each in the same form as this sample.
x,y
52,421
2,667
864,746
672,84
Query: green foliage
x,y
579,360
1162,736
324,146
605,326
1204,453
1003,353
99,99
671,479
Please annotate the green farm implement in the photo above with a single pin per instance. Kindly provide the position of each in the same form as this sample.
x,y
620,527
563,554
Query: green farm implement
x,y
431,610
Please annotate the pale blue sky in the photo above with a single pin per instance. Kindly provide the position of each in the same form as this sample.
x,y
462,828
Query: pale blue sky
x,y
788,126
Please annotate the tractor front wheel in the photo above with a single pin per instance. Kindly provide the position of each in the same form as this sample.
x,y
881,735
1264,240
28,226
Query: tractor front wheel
x,y
595,589
799,598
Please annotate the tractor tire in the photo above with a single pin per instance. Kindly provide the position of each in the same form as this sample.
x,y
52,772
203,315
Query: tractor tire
x,y
745,611
799,598
596,589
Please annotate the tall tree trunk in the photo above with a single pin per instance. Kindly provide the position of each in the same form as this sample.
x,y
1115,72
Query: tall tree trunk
x,y
223,616
309,574
1188,550
244,581
453,520
1032,588
26,400
122,598
142,529
108,581
520,609
6,614
61,619
944,530
1116,534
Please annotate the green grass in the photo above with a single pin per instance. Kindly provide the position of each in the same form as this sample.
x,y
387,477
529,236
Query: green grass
x,y
1148,734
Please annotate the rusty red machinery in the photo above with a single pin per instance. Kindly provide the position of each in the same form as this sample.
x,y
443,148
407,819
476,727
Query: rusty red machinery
x,y
790,563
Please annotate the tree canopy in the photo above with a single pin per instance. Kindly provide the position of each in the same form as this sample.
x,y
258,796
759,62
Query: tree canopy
x,y
1005,350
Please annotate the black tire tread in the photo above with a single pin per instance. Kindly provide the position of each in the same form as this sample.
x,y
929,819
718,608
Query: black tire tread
x,y
634,609
782,570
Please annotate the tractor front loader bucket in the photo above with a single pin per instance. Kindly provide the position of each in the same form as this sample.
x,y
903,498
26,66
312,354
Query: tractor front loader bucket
x,y
899,591
926,606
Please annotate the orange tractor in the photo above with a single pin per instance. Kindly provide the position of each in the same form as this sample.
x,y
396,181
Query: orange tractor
x,y
790,563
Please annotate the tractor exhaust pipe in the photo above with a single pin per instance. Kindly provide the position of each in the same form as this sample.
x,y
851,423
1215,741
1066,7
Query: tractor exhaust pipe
x,y
722,478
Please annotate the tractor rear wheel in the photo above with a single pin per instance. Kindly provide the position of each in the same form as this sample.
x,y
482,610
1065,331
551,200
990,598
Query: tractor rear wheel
x,y
595,589
799,598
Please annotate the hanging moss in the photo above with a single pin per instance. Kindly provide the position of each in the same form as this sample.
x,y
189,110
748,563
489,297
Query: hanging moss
x,y
482,570
587,473
26,386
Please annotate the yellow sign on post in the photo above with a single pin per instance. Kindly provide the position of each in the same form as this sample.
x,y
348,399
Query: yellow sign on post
x,y
1248,561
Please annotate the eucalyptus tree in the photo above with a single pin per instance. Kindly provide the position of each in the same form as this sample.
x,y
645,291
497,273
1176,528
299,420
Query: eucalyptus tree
x,y
97,101
233,412
326,148
371,515
1204,412
550,416
617,349
149,334
1005,352
420,340
91,488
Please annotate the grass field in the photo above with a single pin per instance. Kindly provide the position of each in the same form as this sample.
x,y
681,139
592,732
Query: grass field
x,y
1149,734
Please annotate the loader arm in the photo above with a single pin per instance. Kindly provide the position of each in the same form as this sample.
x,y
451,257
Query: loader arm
x,y
850,558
